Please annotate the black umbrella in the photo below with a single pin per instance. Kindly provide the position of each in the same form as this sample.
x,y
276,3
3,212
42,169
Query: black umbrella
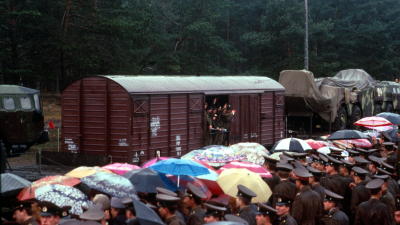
x,y
347,135
392,117
392,133
291,145
146,180
12,184
145,215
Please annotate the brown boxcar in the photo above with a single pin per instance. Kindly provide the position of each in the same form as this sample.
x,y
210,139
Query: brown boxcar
x,y
131,118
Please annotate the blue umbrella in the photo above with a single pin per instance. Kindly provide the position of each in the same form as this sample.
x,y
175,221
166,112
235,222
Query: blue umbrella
x,y
146,180
111,184
62,195
180,167
392,117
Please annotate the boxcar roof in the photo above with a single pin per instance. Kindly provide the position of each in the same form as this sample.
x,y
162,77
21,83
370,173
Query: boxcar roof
x,y
14,89
204,84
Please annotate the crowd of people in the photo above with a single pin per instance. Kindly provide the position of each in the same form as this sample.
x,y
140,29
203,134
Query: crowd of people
x,y
217,123
307,188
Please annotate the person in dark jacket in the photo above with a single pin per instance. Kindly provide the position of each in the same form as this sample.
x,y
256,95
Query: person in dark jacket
x,y
23,212
285,186
283,206
192,200
391,156
386,198
334,183
307,205
118,212
373,211
360,193
331,205
166,207
270,166
214,213
243,200
345,168
314,182
265,214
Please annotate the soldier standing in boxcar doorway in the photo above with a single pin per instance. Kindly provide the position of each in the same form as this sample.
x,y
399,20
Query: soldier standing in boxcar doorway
x,y
208,122
227,115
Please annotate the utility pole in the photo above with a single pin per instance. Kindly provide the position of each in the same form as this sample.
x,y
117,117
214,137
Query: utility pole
x,y
306,37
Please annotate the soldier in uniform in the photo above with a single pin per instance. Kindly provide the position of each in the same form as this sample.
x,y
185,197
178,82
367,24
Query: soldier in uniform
x,y
345,168
378,144
192,200
391,157
96,214
178,214
283,206
23,212
265,215
307,205
166,207
314,161
50,213
386,198
386,169
213,213
208,122
321,167
331,205
360,193
314,182
300,157
216,129
65,214
334,183
285,186
130,211
352,154
227,115
270,166
243,201
373,211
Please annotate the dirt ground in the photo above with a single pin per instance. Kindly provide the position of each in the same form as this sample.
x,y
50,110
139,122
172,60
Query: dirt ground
x,y
51,112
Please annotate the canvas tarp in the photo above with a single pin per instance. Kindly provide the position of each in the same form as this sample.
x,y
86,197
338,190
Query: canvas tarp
x,y
349,79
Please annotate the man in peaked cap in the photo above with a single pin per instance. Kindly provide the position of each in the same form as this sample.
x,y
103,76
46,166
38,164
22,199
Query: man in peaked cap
x,y
265,214
352,154
331,205
213,213
161,190
192,201
360,193
301,157
393,186
314,182
166,207
94,214
65,214
345,168
334,183
118,211
23,212
373,211
50,213
321,167
391,156
270,165
283,206
314,161
386,198
130,212
307,205
243,201
285,186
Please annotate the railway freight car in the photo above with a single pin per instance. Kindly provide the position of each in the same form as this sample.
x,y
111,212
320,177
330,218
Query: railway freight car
x,y
134,118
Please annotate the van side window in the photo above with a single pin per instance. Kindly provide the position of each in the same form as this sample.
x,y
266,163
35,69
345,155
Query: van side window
x,y
8,103
37,101
25,103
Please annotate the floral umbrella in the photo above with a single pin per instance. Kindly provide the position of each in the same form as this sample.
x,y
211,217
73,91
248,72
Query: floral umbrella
x,y
64,196
29,192
219,155
254,152
246,165
84,171
120,168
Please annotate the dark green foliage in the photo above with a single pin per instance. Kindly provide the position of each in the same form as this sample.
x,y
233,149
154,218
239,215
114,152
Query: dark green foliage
x,y
48,44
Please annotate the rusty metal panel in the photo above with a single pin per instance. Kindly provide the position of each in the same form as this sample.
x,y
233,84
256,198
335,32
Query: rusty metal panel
x,y
159,125
70,117
179,124
235,131
140,128
279,104
196,124
267,118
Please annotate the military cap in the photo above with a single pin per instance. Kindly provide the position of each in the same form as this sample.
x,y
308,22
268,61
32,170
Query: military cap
x,y
93,214
309,160
161,190
383,177
216,203
373,150
314,172
388,145
270,160
288,154
117,203
353,153
84,208
374,160
333,161
299,165
387,167
127,201
395,146
360,160
16,204
323,158
214,210
284,167
297,155
336,150
361,151
302,174
338,157
49,208
164,199
194,192
65,212
285,157
264,209
245,192
228,107
315,158
331,196
381,171
232,218
282,199
151,206
103,199
374,184
346,164
359,171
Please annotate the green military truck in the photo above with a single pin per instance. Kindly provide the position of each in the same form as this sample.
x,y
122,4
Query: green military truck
x,y
22,121
340,100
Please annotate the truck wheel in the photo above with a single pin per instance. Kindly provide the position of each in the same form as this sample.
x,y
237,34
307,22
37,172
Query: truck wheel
x,y
341,119
388,108
377,110
354,117
3,157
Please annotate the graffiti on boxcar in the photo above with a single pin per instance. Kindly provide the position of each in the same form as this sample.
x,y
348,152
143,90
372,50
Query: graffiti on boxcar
x,y
155,125
122,142
71,145
178,139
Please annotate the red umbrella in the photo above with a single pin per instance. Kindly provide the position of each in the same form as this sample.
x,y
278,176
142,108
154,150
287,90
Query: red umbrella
x,y
120,168
184,179
152,161
315,144
246,165
29,192
373,121
210,180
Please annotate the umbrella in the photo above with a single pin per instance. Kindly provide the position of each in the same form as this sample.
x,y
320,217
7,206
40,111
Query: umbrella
x,y
190,155
146,180
361,143
219,155
391,117
29,192
230,179
152,161
347,135
374,121
372,133
382,128
393,134
324,150
64,196
275,155
145,215
315,144
111,184
12,184
254,152
246,165
291,145
180,167
84,171
120,168
210,180
184,179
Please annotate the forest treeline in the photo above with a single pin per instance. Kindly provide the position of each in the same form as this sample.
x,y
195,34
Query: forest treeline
x,y
47,44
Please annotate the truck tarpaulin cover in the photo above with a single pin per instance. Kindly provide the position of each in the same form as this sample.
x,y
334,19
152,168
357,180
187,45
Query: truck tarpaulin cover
x,y
348,79
324,100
